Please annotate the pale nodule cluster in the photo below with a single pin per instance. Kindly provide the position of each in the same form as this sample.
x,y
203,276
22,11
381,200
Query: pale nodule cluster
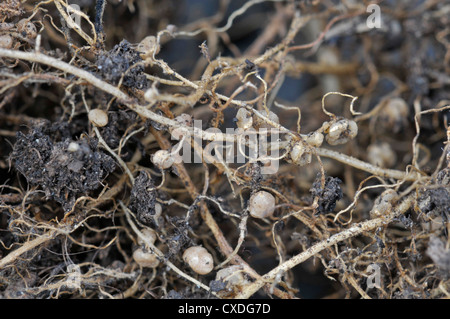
x,y
23,28
142,255
384,203
252,131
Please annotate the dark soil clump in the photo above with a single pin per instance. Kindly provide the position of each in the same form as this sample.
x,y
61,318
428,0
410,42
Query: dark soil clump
x,y
143,198
327,195
121,62
63,169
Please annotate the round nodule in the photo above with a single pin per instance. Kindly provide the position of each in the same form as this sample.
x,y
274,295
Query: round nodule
x,y
262,204
162,159
145,259
98,117
199,259
149,234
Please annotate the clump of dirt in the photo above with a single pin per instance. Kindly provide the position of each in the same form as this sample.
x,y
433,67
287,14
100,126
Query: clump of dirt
x,y
328,194
187,294
143,198
435,200
11,8
440,255
63,169
121,63
77,197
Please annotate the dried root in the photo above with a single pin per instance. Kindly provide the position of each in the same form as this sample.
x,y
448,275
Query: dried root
x,y
132,168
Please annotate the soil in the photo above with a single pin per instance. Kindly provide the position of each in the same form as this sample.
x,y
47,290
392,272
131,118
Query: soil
x,y
64,170
77,199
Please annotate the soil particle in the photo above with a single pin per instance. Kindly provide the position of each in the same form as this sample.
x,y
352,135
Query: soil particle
x,y
328,195
64,169
143,198
440,255
120,61
436,199
217,285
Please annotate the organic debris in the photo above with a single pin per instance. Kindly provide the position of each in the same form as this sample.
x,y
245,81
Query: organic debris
x,y
302,147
